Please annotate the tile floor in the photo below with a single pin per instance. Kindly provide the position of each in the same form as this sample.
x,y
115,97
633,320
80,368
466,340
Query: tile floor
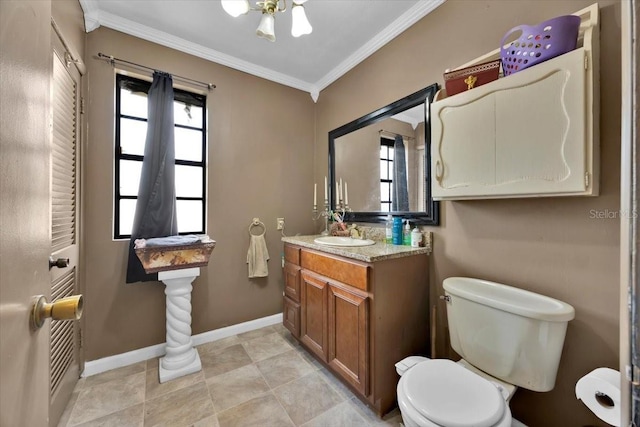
x,y
259,378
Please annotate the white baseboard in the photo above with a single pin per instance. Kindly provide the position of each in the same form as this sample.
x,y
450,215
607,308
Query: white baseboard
x,y
98,366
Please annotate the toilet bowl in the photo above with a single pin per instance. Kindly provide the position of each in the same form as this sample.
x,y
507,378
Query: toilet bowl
x,y
507,338
443,393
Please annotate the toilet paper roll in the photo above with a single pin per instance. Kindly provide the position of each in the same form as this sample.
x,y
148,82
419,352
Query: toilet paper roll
x,y
599,390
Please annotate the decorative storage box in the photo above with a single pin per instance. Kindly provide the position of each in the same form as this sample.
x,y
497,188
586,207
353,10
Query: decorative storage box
x,y
467,78
164,258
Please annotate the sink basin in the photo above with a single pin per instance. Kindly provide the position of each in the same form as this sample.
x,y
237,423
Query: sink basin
x,y
343,241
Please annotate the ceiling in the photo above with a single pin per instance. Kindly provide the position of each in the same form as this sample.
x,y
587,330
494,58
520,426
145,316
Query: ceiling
x,y
345,32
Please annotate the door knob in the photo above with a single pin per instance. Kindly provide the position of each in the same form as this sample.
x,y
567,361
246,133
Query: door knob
x,y
69,308
60,262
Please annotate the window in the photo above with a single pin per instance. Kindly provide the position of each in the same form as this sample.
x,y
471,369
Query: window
x,y
190,148
386,174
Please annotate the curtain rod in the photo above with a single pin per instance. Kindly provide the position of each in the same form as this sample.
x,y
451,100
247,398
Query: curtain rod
x,y
112,61
381,131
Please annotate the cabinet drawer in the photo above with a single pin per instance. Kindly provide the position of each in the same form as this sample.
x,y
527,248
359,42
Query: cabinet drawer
x,y
351,273
292,281
291,316
292,254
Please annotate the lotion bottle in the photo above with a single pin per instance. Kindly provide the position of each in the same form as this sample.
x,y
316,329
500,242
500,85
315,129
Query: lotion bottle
x,y
397,231
416,238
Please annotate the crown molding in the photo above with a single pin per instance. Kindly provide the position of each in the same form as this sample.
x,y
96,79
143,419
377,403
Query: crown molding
x,y
160,37
407,119
89,6
404,21
91,14
94,18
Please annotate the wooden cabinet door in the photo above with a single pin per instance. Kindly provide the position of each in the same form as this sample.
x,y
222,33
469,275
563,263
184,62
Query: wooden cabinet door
x,y
291,316
292,281
313,307
349,336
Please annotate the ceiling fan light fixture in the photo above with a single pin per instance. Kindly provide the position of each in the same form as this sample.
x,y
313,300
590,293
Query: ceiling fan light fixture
x,y
266,29
235,8
300,24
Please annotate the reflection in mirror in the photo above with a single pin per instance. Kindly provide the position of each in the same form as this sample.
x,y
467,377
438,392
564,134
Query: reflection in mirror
x,y
387,153
384,157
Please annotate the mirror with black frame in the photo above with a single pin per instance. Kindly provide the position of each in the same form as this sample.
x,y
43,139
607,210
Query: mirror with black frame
x,y
384,159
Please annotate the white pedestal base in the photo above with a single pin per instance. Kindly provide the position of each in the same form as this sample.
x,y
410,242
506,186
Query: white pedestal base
x,y
172,374
181,358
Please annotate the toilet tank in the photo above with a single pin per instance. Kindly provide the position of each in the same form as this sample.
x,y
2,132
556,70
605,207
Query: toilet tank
x,y
509,333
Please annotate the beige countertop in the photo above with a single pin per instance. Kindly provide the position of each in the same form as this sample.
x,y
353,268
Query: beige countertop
x,y
377,252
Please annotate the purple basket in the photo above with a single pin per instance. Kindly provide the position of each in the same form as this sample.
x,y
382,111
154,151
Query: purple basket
x,y
539,43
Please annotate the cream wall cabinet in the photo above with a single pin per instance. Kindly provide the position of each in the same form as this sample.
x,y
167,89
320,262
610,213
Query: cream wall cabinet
x,y
534,133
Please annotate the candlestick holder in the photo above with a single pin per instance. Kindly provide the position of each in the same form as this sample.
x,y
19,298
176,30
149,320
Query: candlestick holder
x,y
342,208
324,214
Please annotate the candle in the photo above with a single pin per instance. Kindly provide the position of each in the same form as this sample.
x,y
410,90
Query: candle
x,y
315,189
326,198
337,194
341,194
346,194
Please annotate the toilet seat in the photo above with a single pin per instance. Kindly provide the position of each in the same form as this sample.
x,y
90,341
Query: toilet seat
x,y
442,393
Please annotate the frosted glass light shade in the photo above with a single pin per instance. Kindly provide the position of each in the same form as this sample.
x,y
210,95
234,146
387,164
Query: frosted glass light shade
x,y
266,29
300,24
235,8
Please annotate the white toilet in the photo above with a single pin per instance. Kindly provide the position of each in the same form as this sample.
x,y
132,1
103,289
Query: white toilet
x,y
507,337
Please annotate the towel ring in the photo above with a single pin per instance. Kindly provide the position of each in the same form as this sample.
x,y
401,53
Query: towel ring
x,y
257,223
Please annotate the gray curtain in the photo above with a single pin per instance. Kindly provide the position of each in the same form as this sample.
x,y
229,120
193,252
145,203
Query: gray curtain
x,y
156,206
400,199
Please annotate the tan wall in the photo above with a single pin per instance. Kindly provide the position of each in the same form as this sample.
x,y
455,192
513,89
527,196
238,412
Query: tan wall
x,y
260,164
549,245
69,18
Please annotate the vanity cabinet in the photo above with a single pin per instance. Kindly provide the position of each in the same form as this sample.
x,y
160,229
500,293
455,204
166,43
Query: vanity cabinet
x,y
533,133
358,318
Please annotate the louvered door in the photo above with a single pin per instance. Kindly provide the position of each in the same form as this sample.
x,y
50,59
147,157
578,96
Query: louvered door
x,y
65,335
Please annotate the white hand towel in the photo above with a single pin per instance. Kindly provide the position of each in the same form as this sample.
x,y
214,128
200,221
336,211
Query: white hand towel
x,y
257,257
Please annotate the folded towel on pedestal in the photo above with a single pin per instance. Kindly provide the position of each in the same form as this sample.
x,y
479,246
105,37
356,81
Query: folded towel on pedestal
x,y
188,239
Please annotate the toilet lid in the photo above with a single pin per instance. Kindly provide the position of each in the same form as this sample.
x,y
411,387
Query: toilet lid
x,y
450,395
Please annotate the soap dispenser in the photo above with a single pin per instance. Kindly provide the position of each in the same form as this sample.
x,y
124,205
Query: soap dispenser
x,y
389,230
406,235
